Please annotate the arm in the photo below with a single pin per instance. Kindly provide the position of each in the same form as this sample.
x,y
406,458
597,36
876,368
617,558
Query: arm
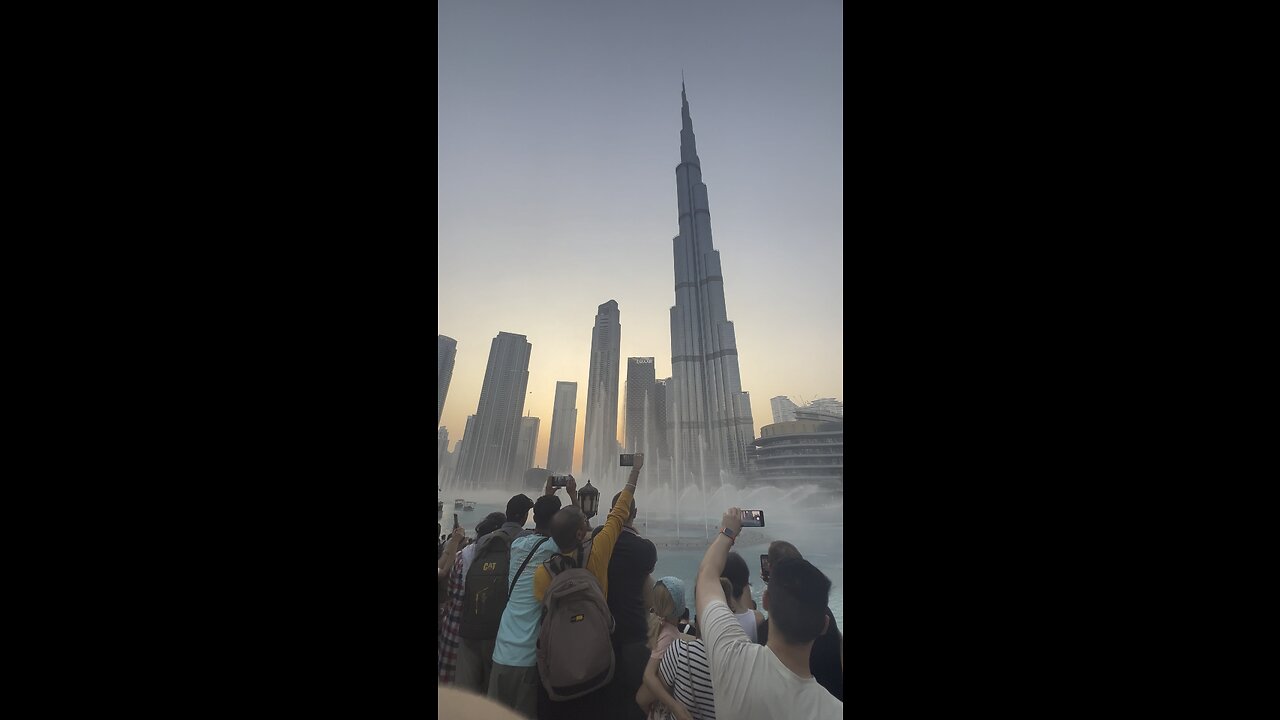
x,y
707,587
602,546
572,489
658,691
450,553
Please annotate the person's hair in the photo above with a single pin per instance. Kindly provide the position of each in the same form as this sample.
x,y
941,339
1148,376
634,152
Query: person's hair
x,y
685,615
735,568
664,610
633,504
543,510
491,522
564,528
781,549
729,598
518,509
798,594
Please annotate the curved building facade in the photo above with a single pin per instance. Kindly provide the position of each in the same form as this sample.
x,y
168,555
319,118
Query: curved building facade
x,y
806,451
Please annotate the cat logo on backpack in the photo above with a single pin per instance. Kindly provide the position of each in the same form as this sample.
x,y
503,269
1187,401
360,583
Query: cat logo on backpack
x,y
577,618
490,566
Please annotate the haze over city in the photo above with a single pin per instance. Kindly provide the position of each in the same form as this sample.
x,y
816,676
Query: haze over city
x,y
559,136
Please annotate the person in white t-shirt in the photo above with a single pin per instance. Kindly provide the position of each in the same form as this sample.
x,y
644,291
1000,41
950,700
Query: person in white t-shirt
x,y
761,682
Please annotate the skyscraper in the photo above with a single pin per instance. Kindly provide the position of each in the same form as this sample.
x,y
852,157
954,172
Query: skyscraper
x,y
490,451
446,350
783,409
599,459
564,429
442,445
640,380
713,423
525,447
660,420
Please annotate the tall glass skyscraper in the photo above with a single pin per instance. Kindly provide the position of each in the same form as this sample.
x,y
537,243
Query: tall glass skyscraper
x,y
712,415
564,429
640,381
600,450
489,457
446,350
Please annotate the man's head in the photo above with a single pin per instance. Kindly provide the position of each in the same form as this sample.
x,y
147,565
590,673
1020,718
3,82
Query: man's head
x,y
568,528
543,510
780,550
633,507
797,601
491,522
518,509
737,572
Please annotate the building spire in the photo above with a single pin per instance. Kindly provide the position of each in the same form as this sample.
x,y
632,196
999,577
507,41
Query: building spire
x,y
688,148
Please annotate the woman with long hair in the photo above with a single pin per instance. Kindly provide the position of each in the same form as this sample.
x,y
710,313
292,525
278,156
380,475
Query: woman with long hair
x,y
666,606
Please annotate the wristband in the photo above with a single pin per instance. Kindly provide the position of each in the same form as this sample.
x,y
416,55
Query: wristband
x,y
729,534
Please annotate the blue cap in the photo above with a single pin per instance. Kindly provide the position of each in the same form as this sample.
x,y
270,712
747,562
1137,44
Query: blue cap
x,y
675,586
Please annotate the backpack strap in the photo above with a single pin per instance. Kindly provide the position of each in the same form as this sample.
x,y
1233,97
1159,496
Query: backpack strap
x,y
527,558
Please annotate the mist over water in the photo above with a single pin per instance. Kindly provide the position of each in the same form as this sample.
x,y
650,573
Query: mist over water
x,y
681,524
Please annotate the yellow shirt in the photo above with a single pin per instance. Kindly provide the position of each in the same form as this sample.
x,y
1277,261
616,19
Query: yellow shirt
x,y
601,548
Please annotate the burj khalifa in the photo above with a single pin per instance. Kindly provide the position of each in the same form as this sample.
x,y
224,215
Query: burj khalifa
x,y
711,415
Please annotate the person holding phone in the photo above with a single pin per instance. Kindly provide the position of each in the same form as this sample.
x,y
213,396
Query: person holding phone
x,y
763,682
826,660
570,528
514,678
445,564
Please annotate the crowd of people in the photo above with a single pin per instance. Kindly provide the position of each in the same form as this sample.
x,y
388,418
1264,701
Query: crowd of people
x,y
567,621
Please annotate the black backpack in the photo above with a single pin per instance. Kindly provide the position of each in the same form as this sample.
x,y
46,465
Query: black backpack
x,y
486,587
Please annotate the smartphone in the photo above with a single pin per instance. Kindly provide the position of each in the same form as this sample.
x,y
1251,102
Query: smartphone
x,y
559,481
455,519
627,460
752,518
764,568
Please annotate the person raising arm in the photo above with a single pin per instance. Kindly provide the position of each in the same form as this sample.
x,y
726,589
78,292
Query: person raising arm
x,y
759,682
570,539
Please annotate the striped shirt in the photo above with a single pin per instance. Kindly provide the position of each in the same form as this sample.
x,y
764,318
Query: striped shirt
x,y
684,668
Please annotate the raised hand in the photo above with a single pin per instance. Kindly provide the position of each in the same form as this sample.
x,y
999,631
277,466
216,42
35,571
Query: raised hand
x,y
733,520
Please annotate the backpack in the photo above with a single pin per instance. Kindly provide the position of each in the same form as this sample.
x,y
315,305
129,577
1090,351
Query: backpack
x,y
486,588
575,653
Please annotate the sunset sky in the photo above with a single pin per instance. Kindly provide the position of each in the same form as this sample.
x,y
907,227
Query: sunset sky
x,y
559,134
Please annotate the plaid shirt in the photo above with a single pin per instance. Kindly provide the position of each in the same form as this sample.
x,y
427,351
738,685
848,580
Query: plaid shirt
x,y
450,623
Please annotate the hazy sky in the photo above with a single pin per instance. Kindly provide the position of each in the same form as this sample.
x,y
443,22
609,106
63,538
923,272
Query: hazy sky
x,y
558,140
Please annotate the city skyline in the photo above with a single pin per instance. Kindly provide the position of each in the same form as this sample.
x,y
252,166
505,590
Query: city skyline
x,y
559,128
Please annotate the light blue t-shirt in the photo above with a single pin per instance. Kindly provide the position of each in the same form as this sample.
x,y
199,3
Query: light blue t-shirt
x,y
516,644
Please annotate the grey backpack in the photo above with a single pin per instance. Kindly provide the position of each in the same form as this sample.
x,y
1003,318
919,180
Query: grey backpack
x,y
575,653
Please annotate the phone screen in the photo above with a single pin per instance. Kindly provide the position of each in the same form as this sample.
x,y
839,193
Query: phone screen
x,y
627,460
764,568
752,518
560,481
455,519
